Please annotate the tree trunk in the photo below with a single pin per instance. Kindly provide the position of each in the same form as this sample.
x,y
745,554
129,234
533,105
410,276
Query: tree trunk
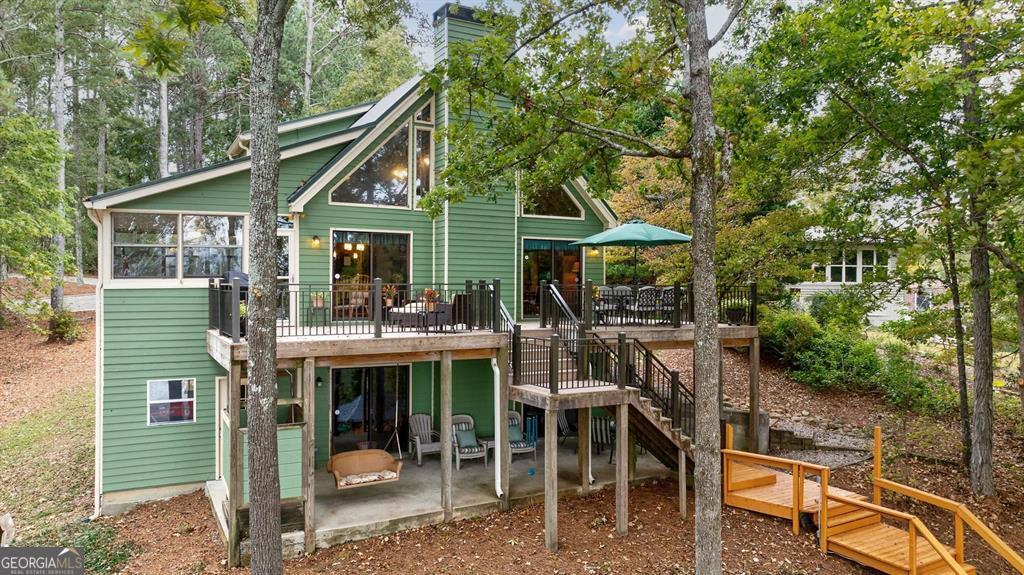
x,y
982,482
162,146
1020,340
264,482
101,149
953,281
307,67
707,469
57,290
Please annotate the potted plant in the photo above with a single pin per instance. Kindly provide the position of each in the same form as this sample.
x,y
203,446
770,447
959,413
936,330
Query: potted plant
x,y
389,291
318,299
243,314
735,313
430,297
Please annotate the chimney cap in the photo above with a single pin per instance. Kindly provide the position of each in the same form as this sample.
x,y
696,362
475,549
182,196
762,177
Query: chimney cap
x,y
456,11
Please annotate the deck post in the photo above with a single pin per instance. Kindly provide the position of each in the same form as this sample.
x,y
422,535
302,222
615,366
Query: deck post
x,y
517,352
236,311
754,431
583,447
235,465
677,300
483,303
622,468
623,351
551,479
542,298
587,306
689,302
681,466
309,452
753,303
553,364
674,401
721,380
446,434
377,307
504,446
496,307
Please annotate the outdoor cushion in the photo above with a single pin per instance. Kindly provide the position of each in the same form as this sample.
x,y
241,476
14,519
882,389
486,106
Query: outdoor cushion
x,y
466,437
358,478
462,426
471,449
514,433
520,444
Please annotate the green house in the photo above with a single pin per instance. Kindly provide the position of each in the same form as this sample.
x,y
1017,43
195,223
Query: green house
x,y
384,314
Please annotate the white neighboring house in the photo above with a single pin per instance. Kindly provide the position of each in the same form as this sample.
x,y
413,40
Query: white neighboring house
x,y
857,265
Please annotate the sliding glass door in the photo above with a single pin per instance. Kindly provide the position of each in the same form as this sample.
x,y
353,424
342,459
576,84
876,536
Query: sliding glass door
x,y
371,406
358,258
547,261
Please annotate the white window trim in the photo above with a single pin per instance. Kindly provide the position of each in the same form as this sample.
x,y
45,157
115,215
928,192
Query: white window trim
x,y
194,400
107,251
582,216
182,245
860,265
429,128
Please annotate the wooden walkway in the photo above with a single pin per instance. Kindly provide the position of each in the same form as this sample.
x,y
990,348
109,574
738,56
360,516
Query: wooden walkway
x,y
848,524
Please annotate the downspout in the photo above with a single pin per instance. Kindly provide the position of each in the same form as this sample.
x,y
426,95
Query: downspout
x,y
97,219
498,410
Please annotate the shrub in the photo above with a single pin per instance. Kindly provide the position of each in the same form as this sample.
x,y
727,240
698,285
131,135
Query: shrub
x,y
837,359
64,326
848,307
103,551
903,384
786,332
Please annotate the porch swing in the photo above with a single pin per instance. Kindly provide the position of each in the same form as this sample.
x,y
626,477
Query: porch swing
x,y
364,467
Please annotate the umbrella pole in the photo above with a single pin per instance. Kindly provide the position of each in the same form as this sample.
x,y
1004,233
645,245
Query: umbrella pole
x,y
634,265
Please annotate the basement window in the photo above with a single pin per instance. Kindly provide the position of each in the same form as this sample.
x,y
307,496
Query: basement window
x,y
171,401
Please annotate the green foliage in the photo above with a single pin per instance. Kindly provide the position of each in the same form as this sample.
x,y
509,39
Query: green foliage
x,y
786,332
104,552
386,64
63,326
922,326
847,308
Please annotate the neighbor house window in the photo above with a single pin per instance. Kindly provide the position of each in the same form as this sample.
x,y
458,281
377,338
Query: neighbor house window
x,y
854,266
552,202
383,179
145,245
212,245
171,401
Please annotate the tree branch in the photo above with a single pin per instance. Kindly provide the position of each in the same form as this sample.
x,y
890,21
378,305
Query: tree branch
x,y
736,9
642,142
677,38
241,32
554,24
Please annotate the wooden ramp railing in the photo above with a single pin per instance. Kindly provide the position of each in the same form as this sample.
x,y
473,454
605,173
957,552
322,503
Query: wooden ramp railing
x,y
848,524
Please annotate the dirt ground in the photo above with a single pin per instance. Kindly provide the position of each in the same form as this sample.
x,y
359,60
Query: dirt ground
x,y
19,288
33,371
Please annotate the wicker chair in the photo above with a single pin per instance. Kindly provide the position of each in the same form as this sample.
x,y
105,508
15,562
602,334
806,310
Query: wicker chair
x,y
524,446
463,422
424,439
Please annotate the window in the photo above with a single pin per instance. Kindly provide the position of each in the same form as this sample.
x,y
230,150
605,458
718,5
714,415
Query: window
x,y
171,401
425,114
872,266
212,245
145,245
552,202
383,179
423,144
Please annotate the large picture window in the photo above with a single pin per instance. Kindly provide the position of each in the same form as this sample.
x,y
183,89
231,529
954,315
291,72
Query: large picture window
x,y
171,401
145,245
855,266
212,245
383,179
552,202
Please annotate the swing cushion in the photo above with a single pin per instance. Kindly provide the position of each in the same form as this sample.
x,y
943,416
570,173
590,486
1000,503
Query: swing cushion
x,y
363,467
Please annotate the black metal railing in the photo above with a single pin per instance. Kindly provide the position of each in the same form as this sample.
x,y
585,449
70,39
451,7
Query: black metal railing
x,y
370,309
546,362
663,386
633,305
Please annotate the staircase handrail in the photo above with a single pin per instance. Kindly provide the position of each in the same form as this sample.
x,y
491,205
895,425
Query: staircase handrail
x,y
563,315
687,424
961,513
917,527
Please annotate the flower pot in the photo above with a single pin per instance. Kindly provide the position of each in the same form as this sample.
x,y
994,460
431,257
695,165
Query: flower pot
x,y
735,316
389,302
431,305
317,301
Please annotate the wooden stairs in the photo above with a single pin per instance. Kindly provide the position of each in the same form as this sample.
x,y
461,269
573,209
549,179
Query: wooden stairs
x,y
884,539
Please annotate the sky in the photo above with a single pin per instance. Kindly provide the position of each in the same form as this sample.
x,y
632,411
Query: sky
x,y
618,31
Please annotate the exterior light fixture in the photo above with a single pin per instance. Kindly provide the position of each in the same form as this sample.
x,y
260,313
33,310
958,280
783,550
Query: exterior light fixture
x,y
319,381
316,242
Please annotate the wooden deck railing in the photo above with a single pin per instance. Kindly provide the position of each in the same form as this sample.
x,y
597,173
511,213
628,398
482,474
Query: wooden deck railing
x,y
961,514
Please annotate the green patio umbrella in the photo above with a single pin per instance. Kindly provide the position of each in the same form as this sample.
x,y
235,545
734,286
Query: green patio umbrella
x,y
637,234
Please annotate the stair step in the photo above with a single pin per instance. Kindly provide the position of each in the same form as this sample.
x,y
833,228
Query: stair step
x,y
744,476
884,547
850,521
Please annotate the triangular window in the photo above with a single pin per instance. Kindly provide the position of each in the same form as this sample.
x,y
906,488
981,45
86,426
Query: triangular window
x,y
383,178
554,202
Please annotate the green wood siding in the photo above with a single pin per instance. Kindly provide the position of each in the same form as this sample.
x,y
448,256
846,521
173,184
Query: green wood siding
x,y
230,193
155,334
289,462
294,136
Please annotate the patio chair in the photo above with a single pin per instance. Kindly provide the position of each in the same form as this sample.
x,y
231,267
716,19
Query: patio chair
x,y
666,303
524,445
564,430
424,439
605,305
646,303
623,296
470,448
